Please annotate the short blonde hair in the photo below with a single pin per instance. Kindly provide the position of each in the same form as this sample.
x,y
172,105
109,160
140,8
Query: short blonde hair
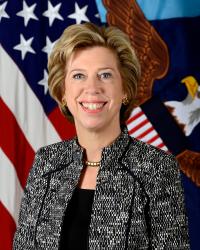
x,y
80,36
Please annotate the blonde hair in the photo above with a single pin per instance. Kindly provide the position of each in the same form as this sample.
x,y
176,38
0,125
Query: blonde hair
x,y
80,36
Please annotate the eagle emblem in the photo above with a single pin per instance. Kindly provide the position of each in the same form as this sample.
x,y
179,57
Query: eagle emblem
x,y
154,58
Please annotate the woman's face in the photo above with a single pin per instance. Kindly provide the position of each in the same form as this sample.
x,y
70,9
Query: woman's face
x,y
93,88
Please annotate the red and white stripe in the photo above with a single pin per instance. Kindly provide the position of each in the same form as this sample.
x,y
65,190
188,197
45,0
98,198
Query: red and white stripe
x,y
24,128
141,128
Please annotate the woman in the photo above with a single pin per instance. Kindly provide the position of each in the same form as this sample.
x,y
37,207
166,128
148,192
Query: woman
x,y
102,189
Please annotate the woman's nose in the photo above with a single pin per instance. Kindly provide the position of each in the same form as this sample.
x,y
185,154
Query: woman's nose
x,y
93,85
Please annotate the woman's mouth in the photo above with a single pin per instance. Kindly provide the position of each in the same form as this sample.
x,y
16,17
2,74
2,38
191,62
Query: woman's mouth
x,y
92,106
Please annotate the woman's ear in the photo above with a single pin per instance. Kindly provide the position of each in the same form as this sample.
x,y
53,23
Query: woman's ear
x,y
125,100
64,102
125,95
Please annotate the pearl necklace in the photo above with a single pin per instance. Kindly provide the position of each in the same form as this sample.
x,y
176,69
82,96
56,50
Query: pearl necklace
x,y
92,164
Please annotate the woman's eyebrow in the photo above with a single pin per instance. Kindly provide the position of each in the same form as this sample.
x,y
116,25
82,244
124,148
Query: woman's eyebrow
x,y
101,68
106,68
76,69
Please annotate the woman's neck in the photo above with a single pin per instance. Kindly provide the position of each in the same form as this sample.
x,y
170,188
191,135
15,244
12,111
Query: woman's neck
x,y
94,141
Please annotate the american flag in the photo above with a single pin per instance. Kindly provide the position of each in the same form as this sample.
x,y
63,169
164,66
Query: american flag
x,y
29,117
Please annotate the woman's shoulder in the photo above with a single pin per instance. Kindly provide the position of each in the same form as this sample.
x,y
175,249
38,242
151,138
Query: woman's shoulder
x,y
147,160
48,157
55,148
147,151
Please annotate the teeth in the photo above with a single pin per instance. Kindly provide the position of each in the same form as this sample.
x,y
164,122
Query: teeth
x,y
92,106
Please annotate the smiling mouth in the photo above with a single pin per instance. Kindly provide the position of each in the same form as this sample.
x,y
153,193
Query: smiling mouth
x,y
93,106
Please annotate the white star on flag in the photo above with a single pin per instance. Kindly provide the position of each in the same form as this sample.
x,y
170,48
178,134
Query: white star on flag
x,y
49,46
97,15
27,13
24,46
44,82
2,11
79,14
52,13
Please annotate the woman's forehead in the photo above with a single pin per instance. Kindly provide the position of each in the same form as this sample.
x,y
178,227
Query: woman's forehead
x,y
98,56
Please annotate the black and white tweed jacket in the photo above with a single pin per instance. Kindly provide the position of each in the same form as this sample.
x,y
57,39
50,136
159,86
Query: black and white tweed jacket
x,y
138,201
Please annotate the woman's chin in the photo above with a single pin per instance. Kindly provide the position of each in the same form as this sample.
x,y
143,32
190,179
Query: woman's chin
x,y
93,126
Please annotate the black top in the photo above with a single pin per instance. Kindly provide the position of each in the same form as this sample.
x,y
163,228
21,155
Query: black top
x,y
74,235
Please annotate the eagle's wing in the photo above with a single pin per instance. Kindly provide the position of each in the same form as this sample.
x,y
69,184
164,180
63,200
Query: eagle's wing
x,y
150,48
190,162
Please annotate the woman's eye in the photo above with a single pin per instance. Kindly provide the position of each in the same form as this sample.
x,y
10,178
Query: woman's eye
x,y
78,76
105,75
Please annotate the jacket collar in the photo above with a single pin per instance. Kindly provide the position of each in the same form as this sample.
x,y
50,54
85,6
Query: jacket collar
x,y
73,152
115,151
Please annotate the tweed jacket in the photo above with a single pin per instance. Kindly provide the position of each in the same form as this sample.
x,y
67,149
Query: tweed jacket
x,y
138,201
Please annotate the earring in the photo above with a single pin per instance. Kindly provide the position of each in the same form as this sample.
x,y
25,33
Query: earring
x,y
64,103
125,101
